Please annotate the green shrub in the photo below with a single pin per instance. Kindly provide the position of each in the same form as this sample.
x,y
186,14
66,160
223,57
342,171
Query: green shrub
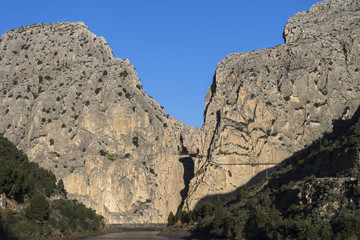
x,y
171,219
206,209
38,209
188,217
111,157
309,178
97,91
61,188
241,194
135,141
219,222
346,226
301,162
179,215
74,216
283,188
124,74
261,219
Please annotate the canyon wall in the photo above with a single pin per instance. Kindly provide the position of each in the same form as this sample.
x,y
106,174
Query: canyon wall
x,y
266,105
76,110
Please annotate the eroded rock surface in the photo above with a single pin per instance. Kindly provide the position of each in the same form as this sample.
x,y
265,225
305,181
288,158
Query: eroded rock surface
x,y
81,113
264,106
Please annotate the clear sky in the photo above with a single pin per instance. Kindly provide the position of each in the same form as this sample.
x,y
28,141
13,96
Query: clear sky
x,y
174,45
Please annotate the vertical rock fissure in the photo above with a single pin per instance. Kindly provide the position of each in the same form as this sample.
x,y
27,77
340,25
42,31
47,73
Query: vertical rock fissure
x,y
188,164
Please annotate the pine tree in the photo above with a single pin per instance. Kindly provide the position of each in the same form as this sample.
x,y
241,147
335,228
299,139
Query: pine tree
x,y
39,208
61,188
219,219
171,219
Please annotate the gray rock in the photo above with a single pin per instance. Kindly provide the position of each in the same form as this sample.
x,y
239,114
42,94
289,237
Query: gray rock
x,y
264,106
79,112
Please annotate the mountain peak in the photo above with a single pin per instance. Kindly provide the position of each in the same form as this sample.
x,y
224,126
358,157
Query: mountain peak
x,y
324,21
72,40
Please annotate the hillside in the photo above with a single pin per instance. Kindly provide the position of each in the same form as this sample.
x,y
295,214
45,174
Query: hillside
x,y
35,204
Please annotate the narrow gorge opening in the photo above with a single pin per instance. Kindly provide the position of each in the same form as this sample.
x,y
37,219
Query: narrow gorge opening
x,y
188,164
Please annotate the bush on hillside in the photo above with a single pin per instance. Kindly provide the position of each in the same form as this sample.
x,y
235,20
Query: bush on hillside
x,y
38,208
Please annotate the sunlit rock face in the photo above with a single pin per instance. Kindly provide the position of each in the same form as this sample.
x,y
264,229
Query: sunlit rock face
x,y
264,106
81,113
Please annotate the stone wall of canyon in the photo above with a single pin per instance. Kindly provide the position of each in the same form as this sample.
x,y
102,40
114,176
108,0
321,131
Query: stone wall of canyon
x,y
266,105
79,112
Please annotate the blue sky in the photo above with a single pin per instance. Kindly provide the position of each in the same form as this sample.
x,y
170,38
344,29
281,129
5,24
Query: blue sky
x,y
174,45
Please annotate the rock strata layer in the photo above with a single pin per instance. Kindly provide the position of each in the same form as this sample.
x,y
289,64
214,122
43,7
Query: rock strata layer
x,y
81,113
266,105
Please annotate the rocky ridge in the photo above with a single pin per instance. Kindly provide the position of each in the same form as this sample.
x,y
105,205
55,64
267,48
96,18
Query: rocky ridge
x,y
265,106
81,113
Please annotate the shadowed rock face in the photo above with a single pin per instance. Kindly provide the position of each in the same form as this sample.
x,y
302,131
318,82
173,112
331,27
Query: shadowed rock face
x,y
79,112
266,105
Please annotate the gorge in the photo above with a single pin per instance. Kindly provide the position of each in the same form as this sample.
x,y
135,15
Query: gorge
x,y
82,114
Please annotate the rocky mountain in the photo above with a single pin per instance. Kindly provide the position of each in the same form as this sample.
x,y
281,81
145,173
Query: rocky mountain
x,y
82,114
267,105
76,110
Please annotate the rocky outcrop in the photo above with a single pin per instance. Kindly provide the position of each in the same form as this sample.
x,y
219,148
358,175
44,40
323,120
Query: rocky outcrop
x,y
188,139
264,106
81,113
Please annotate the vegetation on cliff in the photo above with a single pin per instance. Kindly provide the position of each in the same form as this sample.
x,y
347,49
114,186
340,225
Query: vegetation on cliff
x,y
21,179
314,195
30,212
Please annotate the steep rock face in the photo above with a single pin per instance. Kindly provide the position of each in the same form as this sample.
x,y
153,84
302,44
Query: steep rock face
x,y
264,106
81,113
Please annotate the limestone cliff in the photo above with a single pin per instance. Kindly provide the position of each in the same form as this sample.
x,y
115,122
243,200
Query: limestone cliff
x,y
81,113
266,105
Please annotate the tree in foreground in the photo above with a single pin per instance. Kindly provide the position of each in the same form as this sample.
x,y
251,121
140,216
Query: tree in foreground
x,y
38,208
171,219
